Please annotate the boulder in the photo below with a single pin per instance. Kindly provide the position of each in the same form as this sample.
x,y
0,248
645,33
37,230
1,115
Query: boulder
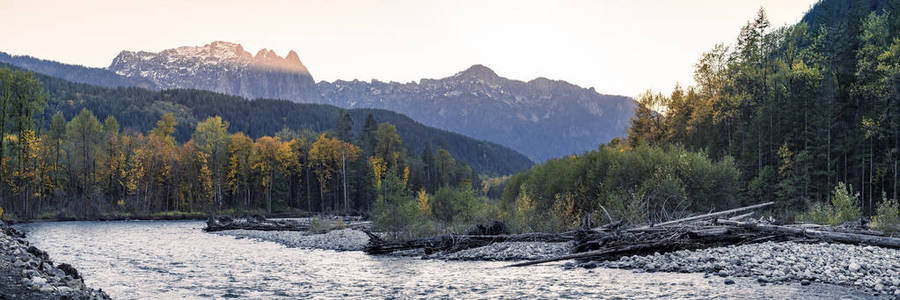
x,y
69,270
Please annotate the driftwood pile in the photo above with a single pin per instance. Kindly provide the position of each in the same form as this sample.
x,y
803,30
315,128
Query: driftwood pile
x,y
478,236
457,242
220,223
730,227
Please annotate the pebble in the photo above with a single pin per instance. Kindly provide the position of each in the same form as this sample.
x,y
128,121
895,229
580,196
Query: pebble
x,y
729,281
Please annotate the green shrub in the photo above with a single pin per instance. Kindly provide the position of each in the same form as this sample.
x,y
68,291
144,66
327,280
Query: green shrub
x,y
887,217
319,225
819,213
844,208
644,184
395,209
455,205
48,215
846,205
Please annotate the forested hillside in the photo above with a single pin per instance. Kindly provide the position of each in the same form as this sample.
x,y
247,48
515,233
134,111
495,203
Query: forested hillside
x,y
80,166
800,108
139,109
74,73
541,118
806,115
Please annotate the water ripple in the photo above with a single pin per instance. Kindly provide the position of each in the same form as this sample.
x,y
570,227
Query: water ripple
x,y
174,259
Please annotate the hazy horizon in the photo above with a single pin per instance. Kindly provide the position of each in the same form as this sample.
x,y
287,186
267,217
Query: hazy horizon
x,y
617,47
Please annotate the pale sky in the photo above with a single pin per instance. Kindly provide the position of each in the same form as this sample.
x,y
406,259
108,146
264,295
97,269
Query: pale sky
x,y
618,47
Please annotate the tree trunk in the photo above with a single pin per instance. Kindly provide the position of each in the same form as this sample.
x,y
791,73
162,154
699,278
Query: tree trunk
x,y
841,237
871,174
344,176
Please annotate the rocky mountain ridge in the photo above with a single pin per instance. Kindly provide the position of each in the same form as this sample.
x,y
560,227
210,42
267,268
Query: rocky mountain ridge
x,y
541,118
222,67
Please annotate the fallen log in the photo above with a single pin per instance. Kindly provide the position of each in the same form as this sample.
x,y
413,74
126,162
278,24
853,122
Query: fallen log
x,y
739,217
840,229
453,242
707,232
727,232
624,243
827,236
596,253
705,216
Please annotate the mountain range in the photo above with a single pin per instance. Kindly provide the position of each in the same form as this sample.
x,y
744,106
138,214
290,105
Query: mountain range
x,y
541,118
139,109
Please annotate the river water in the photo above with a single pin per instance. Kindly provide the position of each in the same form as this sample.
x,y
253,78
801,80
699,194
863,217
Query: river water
x,y
175,259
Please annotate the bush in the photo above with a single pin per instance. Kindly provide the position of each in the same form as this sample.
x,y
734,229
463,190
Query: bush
x,y
319,225
644,184
524,212
887,217
455,205
846,205
844,208
819,213
395,209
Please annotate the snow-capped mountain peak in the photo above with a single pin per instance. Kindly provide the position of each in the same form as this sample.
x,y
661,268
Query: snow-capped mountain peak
x,y
223,67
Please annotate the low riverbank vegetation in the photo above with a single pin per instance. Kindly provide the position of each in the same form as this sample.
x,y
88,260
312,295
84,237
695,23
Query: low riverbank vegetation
x,y
844,207
645,184
640,185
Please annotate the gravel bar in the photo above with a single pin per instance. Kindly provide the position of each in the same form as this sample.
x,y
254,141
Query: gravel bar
x,y
342,240
874,269
505,251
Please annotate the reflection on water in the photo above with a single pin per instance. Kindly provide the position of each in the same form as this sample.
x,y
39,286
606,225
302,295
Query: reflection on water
x,y
174,259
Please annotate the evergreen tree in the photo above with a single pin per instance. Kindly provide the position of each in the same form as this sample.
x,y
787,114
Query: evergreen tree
x,y
345,127
429,168
367,139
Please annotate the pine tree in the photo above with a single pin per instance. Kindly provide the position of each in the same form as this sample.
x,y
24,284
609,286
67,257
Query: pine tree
x,y
345,127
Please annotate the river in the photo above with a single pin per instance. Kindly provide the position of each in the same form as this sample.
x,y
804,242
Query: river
x,y
175,259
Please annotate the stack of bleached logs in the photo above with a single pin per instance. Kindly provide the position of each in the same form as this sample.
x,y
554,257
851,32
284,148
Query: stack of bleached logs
x,y
730,227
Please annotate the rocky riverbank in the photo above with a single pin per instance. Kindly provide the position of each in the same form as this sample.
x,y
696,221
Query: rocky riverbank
x,y
871,268
28,273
